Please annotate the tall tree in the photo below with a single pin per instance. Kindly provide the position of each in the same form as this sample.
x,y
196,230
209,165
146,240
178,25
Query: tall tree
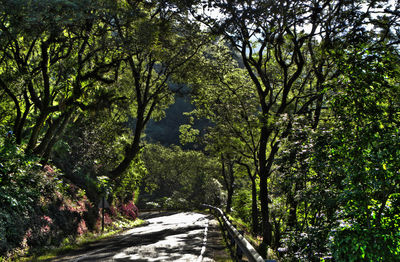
x,y
225,94
318,190
156,41
279,42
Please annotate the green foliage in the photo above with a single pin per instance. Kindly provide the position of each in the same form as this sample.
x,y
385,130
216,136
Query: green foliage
x,y
92,143
336,186
37,206
356,243
167,130
18,192
178,178
305,194
188,134
241,205
364,151
86,154
127,186
100,71
103,185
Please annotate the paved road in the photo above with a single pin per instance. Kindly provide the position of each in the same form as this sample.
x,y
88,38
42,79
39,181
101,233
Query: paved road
x,y
167,237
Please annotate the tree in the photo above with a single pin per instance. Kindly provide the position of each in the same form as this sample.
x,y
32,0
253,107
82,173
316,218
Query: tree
x,y
224,94
156,42
282,48
52,66
339,163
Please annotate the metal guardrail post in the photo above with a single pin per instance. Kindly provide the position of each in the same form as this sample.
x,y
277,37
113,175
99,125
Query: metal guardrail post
x,y
232,240
239,253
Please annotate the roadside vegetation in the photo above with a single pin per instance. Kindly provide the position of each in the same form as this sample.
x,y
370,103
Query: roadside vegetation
x,y
43,211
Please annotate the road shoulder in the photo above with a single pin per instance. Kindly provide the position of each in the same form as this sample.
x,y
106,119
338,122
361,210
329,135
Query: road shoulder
x,y
216,247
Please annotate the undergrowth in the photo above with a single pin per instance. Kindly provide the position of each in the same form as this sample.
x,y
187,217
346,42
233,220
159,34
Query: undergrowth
x,y
41,210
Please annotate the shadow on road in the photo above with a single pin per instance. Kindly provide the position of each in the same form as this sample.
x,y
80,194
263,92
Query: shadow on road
x,y
106,249
157,242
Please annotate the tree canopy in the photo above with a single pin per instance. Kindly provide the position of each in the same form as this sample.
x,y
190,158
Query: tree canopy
x,y
298,102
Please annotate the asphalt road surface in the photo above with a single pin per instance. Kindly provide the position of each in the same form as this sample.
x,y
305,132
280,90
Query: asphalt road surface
x,y
168,237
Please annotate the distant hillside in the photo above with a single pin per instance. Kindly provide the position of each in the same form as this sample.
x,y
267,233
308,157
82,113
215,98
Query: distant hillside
x,y
166,131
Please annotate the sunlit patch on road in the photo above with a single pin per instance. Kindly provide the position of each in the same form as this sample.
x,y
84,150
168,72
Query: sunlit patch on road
x,y
177,237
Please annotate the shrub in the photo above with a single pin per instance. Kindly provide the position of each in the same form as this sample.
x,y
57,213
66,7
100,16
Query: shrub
x,y
20,191
36,207
355,243
129,210
242,205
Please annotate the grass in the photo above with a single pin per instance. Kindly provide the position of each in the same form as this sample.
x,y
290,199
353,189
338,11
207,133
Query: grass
x,y
255,241
227,252
69,245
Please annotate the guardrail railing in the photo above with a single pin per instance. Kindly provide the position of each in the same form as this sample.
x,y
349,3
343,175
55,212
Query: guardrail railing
x,y
243,247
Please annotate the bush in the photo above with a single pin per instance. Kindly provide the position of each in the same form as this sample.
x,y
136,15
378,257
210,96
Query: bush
x,y
129,210
19,194
39,206
36,207
242,205
355,242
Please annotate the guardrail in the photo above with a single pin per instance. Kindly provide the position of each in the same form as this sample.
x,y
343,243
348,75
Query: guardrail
x,y
243,247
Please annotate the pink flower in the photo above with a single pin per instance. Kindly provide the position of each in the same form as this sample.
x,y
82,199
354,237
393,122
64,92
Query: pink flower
x,y
129,210
82,228
47,219
45,229
107,219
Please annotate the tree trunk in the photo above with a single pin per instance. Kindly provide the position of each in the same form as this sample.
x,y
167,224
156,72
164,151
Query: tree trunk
x,y
19,128
19,118
277,232
229,201
264,199
17,106
231,186
292,219
318,110
60,131
132,150
265,224
254,207
36,131
51,132
228,180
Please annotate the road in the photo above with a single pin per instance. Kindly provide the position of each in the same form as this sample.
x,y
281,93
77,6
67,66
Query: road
x,y
185,236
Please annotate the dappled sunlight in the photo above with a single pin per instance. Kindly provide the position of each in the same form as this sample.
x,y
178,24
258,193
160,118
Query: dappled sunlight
x,y
179,238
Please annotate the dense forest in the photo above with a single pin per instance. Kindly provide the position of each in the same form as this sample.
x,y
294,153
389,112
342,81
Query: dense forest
x,y
284,113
